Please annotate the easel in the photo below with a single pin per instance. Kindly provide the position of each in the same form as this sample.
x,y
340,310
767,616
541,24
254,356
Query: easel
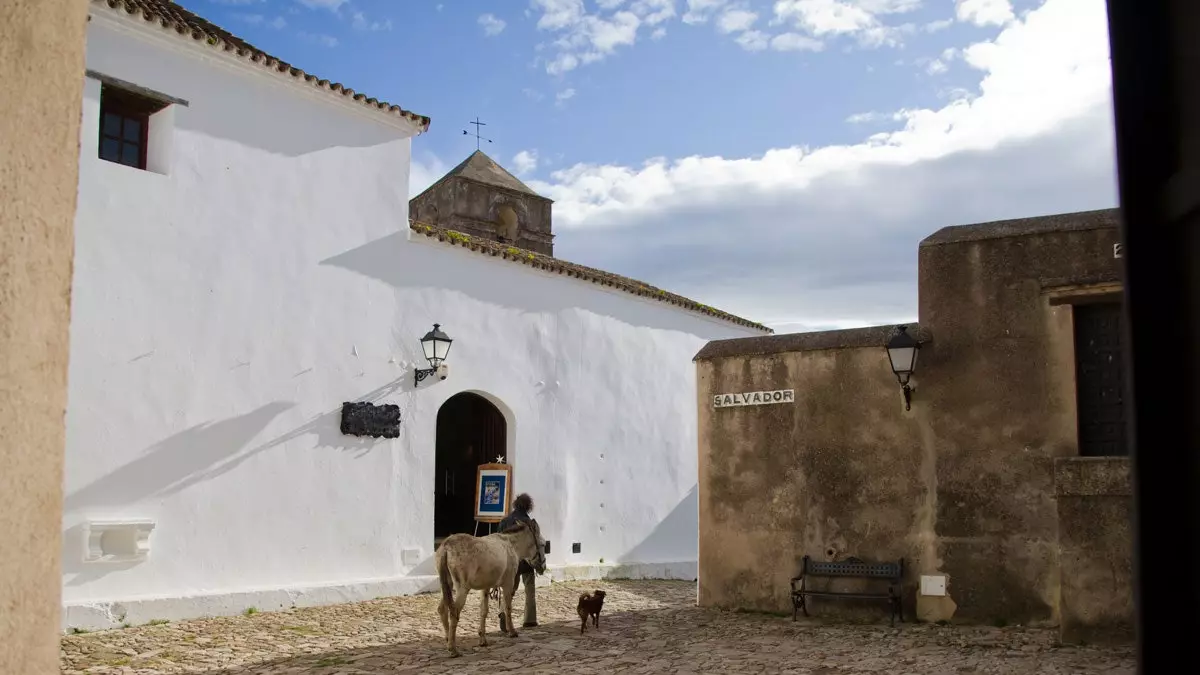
x,y
496,473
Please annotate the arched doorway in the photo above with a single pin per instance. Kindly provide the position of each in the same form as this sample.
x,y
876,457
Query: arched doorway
x,y
471,431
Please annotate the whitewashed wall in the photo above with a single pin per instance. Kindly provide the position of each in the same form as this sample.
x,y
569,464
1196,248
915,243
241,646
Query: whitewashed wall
x,y
223,310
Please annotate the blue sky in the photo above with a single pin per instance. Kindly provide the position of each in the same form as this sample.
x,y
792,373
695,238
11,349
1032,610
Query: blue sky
x,y
780,159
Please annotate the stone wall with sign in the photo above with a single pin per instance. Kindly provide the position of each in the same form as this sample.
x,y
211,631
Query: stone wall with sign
x,y
962,485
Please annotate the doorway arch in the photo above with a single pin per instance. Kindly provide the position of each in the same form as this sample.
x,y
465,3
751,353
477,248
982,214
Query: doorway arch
x,y
471,430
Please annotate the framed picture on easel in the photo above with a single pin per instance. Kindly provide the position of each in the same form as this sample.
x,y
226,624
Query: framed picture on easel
x,y
492,485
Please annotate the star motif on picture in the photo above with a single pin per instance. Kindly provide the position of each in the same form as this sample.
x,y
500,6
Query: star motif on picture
x,y
500,459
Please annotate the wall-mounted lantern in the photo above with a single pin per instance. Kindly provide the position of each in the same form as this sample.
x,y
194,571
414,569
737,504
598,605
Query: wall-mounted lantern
x,y
902,351
436,346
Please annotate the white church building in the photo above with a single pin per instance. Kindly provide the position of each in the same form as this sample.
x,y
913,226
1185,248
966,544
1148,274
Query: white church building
x,y
245,264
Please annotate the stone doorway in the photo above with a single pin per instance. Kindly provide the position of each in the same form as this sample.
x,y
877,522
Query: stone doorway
x,y
471,431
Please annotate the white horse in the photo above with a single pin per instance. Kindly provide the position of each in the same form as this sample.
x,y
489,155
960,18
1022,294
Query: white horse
x,y
466,563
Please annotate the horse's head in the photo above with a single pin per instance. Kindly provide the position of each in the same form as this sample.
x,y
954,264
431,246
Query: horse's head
x,y
538,560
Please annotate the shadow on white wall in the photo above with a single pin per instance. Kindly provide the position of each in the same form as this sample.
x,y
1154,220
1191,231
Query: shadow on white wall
x,y
679,531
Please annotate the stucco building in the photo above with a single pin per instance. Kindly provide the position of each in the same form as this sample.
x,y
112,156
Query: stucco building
x,y
1007,478
245,264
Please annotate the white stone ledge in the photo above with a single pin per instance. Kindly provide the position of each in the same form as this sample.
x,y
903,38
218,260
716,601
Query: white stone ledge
x,y
100,615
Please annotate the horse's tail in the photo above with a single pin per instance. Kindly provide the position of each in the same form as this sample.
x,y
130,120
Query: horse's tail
x,y
443,571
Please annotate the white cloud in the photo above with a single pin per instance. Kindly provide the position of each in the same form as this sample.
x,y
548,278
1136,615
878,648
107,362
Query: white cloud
x,y
653,12
525,161
332,5
984,12
584,38
491,24
792,42
753,40
658,34
424,172
861,118
563,96
939,25
861,19
700,11
533,94
735,20
360,22
827,235
318,38
558,14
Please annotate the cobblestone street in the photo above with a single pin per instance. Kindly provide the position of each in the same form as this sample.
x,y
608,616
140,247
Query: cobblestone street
x,y
646,627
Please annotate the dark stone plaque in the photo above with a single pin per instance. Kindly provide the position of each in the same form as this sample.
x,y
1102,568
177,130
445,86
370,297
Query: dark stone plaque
x,y
368,419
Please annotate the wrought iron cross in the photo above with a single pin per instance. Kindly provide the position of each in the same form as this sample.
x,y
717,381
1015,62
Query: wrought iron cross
x,y
478,138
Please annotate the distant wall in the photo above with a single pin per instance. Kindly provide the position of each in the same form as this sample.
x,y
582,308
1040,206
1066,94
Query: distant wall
x,y
999,383
963,484
843,469
41,65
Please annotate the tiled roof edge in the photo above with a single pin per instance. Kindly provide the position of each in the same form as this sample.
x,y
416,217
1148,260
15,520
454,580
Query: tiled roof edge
x,y
258,57
869,337
570,269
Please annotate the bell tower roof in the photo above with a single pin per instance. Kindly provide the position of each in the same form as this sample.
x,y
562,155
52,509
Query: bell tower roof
x,y
483,169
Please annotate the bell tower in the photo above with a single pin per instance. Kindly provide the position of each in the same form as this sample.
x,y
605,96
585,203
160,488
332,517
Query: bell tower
x,y
479,198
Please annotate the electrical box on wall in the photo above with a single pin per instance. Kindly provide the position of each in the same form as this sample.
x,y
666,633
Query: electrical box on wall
x,y
933,585
576,547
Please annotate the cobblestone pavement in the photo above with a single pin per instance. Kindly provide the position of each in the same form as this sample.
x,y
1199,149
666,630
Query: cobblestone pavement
x,y
646,627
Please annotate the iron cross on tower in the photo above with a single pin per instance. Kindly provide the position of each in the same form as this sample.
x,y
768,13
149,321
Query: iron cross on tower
x,y
478,138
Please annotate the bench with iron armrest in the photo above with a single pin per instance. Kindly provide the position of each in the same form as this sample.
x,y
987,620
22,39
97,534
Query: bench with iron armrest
x,y
852,568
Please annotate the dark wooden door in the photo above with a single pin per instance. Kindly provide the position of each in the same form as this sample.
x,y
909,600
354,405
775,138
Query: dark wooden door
x,y
470,431
1099,380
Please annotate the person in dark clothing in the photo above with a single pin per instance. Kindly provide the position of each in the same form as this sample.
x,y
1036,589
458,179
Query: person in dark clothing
x,y
522,505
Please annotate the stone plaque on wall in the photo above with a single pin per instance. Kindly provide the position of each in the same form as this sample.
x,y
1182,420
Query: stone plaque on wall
x,y
368,419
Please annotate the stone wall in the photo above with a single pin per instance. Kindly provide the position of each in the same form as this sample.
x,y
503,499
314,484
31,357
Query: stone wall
x,y
475,209
963,485
41,66
843,469
1095,534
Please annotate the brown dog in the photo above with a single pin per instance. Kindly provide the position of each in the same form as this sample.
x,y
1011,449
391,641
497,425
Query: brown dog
x,y
590,605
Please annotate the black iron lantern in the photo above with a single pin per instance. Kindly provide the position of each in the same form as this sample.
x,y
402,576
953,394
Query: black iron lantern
x,y
902,351
436,346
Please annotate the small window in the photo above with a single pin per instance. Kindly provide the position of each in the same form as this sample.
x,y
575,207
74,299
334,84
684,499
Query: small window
x,y
125,125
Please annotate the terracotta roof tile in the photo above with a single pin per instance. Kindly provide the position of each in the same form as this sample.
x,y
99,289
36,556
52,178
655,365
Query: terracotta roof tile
x,y
570,269
172,17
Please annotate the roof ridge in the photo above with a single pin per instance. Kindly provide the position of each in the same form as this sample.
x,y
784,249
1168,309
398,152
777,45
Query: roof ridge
x,y
478,170
186,24
583,272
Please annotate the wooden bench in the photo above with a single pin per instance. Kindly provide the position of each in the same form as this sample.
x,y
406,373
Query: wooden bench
x,y
850,568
